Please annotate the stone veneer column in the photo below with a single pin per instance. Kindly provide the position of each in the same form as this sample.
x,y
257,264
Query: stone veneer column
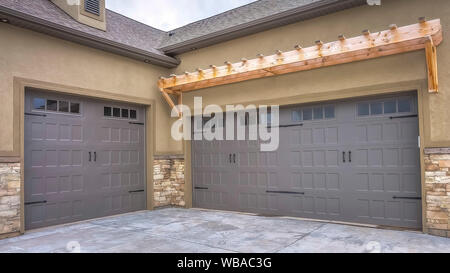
x,y
437,191
9,198
168,176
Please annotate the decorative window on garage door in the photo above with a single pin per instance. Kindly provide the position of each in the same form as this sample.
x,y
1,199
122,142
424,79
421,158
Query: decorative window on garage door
x,y
56,106
119,113
403,105
313,113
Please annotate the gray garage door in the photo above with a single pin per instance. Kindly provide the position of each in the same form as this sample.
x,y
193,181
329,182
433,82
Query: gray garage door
x,y
83,159
353,161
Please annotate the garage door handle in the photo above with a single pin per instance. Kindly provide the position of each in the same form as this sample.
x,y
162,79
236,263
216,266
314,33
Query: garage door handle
x,y
201,188
350,156
407,198
137,123
90,156
343,157
95,156
230,158
289,125
234,158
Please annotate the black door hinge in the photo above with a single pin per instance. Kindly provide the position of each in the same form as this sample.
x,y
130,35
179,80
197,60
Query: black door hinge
x,y
409,116
286,126
137,123
407,198
136,191
35,115
286,192
35,203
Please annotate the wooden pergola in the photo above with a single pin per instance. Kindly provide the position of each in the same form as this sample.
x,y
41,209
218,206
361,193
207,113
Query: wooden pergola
x,y
395,40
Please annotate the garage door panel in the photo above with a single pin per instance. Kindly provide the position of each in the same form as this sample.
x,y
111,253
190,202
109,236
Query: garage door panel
x,y
389,212
353,161
318,206
70,168
54,213
213,199
249,201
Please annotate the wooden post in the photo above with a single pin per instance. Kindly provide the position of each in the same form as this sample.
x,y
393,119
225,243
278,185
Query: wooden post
x,y
180,103
431,54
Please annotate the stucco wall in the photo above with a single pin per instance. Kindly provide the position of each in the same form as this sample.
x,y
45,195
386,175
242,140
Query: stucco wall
x,y
311,85
31,55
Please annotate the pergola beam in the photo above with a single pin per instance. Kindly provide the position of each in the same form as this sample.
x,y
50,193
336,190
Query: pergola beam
x,y
424,35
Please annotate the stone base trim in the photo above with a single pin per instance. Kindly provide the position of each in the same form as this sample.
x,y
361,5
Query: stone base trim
x,y
168,179
437,191
429,151
159,157
9,159
9,235
438,232
9,198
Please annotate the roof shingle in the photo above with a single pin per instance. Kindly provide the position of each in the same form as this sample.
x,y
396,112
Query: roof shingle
x,y
154,44
241,15
119,28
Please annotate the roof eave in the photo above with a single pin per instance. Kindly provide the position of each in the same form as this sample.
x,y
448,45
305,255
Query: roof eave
x,y
43,26
291,16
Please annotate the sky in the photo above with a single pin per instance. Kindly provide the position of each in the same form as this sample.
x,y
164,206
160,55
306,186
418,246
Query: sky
x,y
170,14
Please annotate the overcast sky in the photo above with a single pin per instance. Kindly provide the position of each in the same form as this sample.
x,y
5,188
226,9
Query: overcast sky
x,y
170,14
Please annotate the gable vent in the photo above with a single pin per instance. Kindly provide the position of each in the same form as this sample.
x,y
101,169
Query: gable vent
x,y
92,6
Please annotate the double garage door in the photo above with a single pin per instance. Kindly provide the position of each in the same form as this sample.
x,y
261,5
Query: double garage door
x,y
354,161
83,159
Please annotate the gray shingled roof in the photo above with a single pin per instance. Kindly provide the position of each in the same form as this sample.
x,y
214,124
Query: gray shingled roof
x,y
120,29
152,44
241,15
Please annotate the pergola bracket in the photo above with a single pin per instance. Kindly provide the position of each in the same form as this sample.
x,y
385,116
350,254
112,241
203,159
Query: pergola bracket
x,y
170,101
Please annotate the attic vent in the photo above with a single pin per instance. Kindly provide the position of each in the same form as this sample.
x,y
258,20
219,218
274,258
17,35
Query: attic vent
x,y
92,6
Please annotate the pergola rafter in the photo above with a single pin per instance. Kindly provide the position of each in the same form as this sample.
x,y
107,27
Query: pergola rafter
x,y
424,35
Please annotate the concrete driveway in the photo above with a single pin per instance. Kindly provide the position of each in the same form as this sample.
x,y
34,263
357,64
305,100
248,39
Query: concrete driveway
x,y
179,230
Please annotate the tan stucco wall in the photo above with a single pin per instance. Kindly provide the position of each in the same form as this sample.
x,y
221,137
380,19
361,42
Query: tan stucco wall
x,y
31,55
312,85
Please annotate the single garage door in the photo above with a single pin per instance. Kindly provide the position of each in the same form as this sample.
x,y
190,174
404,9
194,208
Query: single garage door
x,y
354,161
83,159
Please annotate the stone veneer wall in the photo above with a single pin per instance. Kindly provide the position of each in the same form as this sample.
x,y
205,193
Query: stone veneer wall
x,y
437,191
168,175
9,198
